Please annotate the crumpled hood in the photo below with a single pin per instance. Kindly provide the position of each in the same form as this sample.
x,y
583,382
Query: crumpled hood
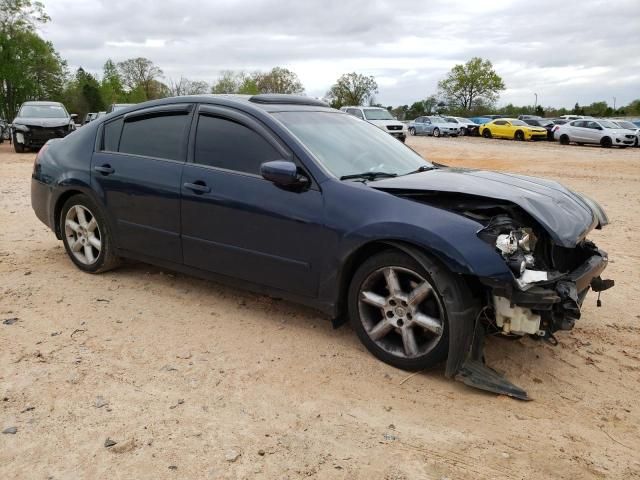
x,y
567,216
42,122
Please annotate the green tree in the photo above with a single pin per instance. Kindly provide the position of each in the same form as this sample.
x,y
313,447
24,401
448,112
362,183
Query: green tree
x,y
469,85
278,80
140,75
30,68
111,88
352,89
83,94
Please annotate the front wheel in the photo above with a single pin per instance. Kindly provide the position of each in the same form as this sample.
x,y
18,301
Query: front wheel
x,y
412,131
564,140
486,133
606,142
519,136
398,310
463,132
86,235
436,132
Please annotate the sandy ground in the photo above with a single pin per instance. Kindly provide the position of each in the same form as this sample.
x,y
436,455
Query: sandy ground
x,y
195,380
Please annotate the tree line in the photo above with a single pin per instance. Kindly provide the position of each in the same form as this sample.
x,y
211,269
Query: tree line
x,y
31,69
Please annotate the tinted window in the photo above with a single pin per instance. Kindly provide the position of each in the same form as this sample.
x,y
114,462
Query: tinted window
x,y
226,144
112,135
160,136
500,122
579,123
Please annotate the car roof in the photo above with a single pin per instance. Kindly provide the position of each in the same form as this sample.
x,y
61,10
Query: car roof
x,y
266,102
41,103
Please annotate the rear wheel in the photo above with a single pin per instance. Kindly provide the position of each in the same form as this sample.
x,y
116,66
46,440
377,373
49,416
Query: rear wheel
x,y
606,142
486,133
564,139
399,309
86,235
436,132
519,135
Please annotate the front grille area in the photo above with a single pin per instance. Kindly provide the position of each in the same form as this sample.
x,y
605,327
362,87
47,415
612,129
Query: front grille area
x,y
630,137
394,127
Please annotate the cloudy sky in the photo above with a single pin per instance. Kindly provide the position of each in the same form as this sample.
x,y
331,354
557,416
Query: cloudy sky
x,y
566,51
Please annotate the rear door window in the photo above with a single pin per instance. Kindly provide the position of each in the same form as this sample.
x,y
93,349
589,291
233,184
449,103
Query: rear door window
x,y
111,135
159,135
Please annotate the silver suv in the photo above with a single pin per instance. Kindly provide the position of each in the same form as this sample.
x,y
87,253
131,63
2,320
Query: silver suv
x,y
381,118
594,131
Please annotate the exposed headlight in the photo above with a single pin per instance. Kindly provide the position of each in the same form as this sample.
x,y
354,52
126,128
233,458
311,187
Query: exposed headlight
x,y
517,249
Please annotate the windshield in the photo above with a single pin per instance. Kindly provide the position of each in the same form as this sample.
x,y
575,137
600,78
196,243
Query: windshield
x,y
607,124
518,123
43,111
627,125
377,114
345,145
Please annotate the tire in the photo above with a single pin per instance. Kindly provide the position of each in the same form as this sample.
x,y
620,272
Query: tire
x,y
463,132
486,133
519,136
18,147
436,132
402,139
84,237
564,140
412,131
606,142
384,329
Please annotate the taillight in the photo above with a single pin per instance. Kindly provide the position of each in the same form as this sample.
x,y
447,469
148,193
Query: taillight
x,y
39,156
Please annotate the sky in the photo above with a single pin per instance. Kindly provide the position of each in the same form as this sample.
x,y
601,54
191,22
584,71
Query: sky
x,y
565,51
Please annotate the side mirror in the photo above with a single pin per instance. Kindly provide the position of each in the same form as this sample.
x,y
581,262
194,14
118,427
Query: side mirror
x,y
283,173
74,117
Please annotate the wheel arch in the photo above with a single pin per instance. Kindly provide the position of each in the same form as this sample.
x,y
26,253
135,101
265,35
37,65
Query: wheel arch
x,y
359,255
461,323
57,210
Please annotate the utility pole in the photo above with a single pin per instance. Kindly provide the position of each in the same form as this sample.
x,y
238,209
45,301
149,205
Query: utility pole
x,y
614,103
536,104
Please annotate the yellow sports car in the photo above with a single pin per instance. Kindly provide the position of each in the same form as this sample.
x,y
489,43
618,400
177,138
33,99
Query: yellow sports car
x,y
512,128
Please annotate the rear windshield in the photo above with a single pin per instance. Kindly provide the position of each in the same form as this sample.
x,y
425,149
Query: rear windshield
x,y
43,111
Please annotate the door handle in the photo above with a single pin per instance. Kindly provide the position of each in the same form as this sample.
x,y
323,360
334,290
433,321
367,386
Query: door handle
x,y
198,187
105,169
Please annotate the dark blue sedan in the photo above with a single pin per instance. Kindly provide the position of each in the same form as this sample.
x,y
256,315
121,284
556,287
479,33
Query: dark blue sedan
x,y
285,196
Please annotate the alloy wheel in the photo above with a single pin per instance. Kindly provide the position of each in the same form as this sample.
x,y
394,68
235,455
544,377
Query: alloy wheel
x,y
83,234
401,312
436,132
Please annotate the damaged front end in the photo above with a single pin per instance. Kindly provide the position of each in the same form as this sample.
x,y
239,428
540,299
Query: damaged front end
x,y
549,286
549,283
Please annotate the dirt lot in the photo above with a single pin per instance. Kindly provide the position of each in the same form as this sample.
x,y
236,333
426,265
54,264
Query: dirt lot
x,y
196,380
